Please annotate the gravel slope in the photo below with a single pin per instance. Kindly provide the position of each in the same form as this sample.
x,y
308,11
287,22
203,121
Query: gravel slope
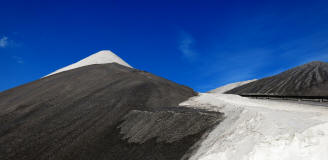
x,y
307,80
102,111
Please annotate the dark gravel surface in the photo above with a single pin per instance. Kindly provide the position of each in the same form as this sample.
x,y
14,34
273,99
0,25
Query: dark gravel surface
x,y
100,112
307,80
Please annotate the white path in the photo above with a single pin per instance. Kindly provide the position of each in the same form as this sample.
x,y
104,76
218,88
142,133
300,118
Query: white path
x,y
262,130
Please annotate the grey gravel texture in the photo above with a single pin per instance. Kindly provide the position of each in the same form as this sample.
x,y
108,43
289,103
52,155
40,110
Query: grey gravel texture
x,y
100,112
307,80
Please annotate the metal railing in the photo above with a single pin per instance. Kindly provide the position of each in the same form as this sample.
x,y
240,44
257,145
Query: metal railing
x,y
287,97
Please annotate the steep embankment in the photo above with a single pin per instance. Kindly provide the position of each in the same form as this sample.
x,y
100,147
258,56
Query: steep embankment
x,y
102,111
307,80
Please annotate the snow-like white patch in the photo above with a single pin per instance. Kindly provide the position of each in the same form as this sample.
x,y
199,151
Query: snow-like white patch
x,y
262,130
230,86
101,57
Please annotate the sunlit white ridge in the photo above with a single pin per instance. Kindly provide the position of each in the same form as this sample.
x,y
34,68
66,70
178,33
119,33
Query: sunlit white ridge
x,y
257,129
102,57
230,86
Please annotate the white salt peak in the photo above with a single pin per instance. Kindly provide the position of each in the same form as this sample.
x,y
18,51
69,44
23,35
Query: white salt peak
x,y
230,86
101,57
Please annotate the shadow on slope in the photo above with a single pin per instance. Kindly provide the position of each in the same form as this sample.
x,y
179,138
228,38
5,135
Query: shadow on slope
x,y
103,111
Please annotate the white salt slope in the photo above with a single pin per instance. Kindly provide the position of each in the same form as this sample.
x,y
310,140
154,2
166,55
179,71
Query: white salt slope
x,y
262,129
230,86
101,57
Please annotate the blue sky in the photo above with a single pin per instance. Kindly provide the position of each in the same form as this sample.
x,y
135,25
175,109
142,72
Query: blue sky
x,y
201,44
